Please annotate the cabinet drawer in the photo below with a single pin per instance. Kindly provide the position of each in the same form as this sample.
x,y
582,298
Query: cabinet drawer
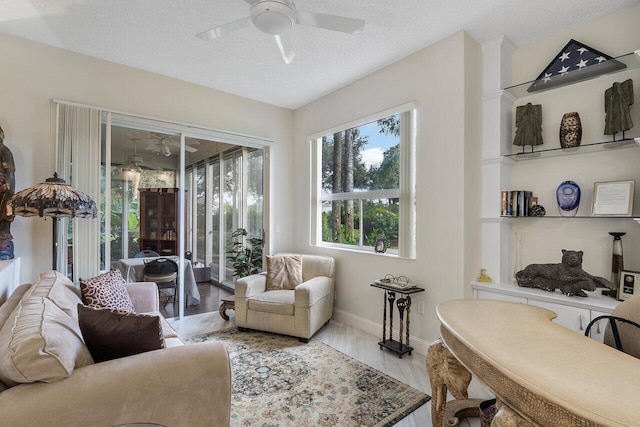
x,y
597,330
481,294
570,317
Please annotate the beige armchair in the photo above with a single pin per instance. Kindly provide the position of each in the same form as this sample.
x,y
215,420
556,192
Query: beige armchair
x,y
299,312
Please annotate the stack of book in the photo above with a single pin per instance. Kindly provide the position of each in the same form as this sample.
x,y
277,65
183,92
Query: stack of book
x,y
516,202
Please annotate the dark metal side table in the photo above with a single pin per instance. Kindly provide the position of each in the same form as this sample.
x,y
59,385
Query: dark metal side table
x,y
404,304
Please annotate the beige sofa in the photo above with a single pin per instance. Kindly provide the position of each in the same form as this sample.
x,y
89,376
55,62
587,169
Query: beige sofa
x,y
175,386
299,312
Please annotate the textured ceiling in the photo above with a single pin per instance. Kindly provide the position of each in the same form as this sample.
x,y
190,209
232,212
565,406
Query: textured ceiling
x,y
158,36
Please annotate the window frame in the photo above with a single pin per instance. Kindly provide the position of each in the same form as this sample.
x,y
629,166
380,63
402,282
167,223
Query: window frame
x,y
405,192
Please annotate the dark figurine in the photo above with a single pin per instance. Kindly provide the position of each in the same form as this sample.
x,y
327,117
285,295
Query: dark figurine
x,y
568,276
7,189
529,125
617,100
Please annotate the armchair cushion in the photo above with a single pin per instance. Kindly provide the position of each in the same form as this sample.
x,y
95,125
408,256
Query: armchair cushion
x,y
111,334
283,271
106,291
312,291
275,302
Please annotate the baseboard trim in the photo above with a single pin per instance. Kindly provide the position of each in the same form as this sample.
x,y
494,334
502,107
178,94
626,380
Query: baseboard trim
x,y
419,345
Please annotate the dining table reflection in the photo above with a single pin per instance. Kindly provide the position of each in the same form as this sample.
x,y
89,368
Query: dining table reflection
x,y
132,270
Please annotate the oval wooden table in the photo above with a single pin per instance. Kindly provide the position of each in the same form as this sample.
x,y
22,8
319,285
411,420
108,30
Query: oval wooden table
x,y
541,373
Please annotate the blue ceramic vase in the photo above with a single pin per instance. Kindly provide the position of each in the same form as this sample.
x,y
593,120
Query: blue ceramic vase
x,y
568,197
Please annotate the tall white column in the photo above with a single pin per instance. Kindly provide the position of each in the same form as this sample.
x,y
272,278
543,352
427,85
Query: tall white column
x,y
496,170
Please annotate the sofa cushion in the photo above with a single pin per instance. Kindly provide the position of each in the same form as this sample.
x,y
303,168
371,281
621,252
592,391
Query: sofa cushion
x,y
283,271
58,289
275,302
40,342
106,291
167,329
7,308
12,302
110,334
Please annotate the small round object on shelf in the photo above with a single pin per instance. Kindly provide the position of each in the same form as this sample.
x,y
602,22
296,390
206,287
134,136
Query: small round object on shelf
x,y
537,210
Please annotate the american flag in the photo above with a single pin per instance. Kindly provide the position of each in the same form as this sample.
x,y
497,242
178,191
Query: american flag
x,y
574,62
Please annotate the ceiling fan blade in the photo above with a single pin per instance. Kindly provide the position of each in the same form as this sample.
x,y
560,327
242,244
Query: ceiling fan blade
x,y
187,147
225,29
330,22
285,48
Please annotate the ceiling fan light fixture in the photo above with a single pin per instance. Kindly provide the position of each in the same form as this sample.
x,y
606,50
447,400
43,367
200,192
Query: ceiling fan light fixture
x,y
273,16
130,172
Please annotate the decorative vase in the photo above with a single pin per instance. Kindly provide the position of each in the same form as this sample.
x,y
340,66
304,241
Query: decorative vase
x,y
568,197
570,130
617,263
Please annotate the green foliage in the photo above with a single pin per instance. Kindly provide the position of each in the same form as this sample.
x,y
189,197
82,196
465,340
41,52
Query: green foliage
x,y
387,175
390,125
244,253
347,238
381,220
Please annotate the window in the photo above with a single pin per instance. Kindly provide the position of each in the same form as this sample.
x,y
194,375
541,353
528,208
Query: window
x,y
363,181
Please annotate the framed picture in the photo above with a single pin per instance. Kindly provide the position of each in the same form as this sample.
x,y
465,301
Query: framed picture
x,y
381,245
613,198
629,285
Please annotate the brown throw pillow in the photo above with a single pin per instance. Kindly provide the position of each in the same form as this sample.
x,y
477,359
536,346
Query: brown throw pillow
x,y
111,334
106,291
283,272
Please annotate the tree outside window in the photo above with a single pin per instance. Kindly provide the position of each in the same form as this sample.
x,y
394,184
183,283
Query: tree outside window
x,y
360,185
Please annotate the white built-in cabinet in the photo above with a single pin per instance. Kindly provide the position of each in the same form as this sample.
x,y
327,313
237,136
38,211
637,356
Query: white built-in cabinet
x,y
498,172
574,313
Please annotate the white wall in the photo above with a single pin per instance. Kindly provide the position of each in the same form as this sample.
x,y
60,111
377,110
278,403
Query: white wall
x,y
542,240
448,180
32,74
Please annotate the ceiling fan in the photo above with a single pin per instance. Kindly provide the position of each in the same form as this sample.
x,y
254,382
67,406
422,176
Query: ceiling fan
x,y
162,143
135,163
276,17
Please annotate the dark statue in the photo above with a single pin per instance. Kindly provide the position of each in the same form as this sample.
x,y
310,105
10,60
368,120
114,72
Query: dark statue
x,y
568,276
617,100
529,125
7,189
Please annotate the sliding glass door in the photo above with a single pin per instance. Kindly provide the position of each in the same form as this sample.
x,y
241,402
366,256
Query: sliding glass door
x,y
227,195
163,189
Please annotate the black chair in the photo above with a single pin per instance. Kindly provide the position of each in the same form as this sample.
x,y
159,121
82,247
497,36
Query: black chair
x,y
619,328
147,253
164,272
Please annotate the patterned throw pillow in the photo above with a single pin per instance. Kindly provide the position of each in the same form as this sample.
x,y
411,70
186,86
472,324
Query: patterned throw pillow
x,y
283,272
111,334
106,291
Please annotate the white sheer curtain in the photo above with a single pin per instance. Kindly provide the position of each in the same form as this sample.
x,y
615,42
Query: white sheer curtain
x,y
78,140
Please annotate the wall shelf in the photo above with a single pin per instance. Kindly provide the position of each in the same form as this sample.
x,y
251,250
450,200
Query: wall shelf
x,y
581,149
631,60
637,219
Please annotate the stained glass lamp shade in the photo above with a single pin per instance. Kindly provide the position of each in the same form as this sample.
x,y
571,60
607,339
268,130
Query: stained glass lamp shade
x,y
53,198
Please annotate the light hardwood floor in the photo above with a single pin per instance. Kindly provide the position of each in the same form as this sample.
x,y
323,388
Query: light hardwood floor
x,y
358,344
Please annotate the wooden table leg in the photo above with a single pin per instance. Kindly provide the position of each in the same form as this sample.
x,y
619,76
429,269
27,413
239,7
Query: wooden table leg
x,y
402,304
445,373
391,296
224,306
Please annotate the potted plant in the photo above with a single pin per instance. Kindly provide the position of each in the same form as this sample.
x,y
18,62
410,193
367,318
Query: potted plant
x,y
244,253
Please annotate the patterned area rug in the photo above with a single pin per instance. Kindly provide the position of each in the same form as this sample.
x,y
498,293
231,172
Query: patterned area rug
x,y
278,381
